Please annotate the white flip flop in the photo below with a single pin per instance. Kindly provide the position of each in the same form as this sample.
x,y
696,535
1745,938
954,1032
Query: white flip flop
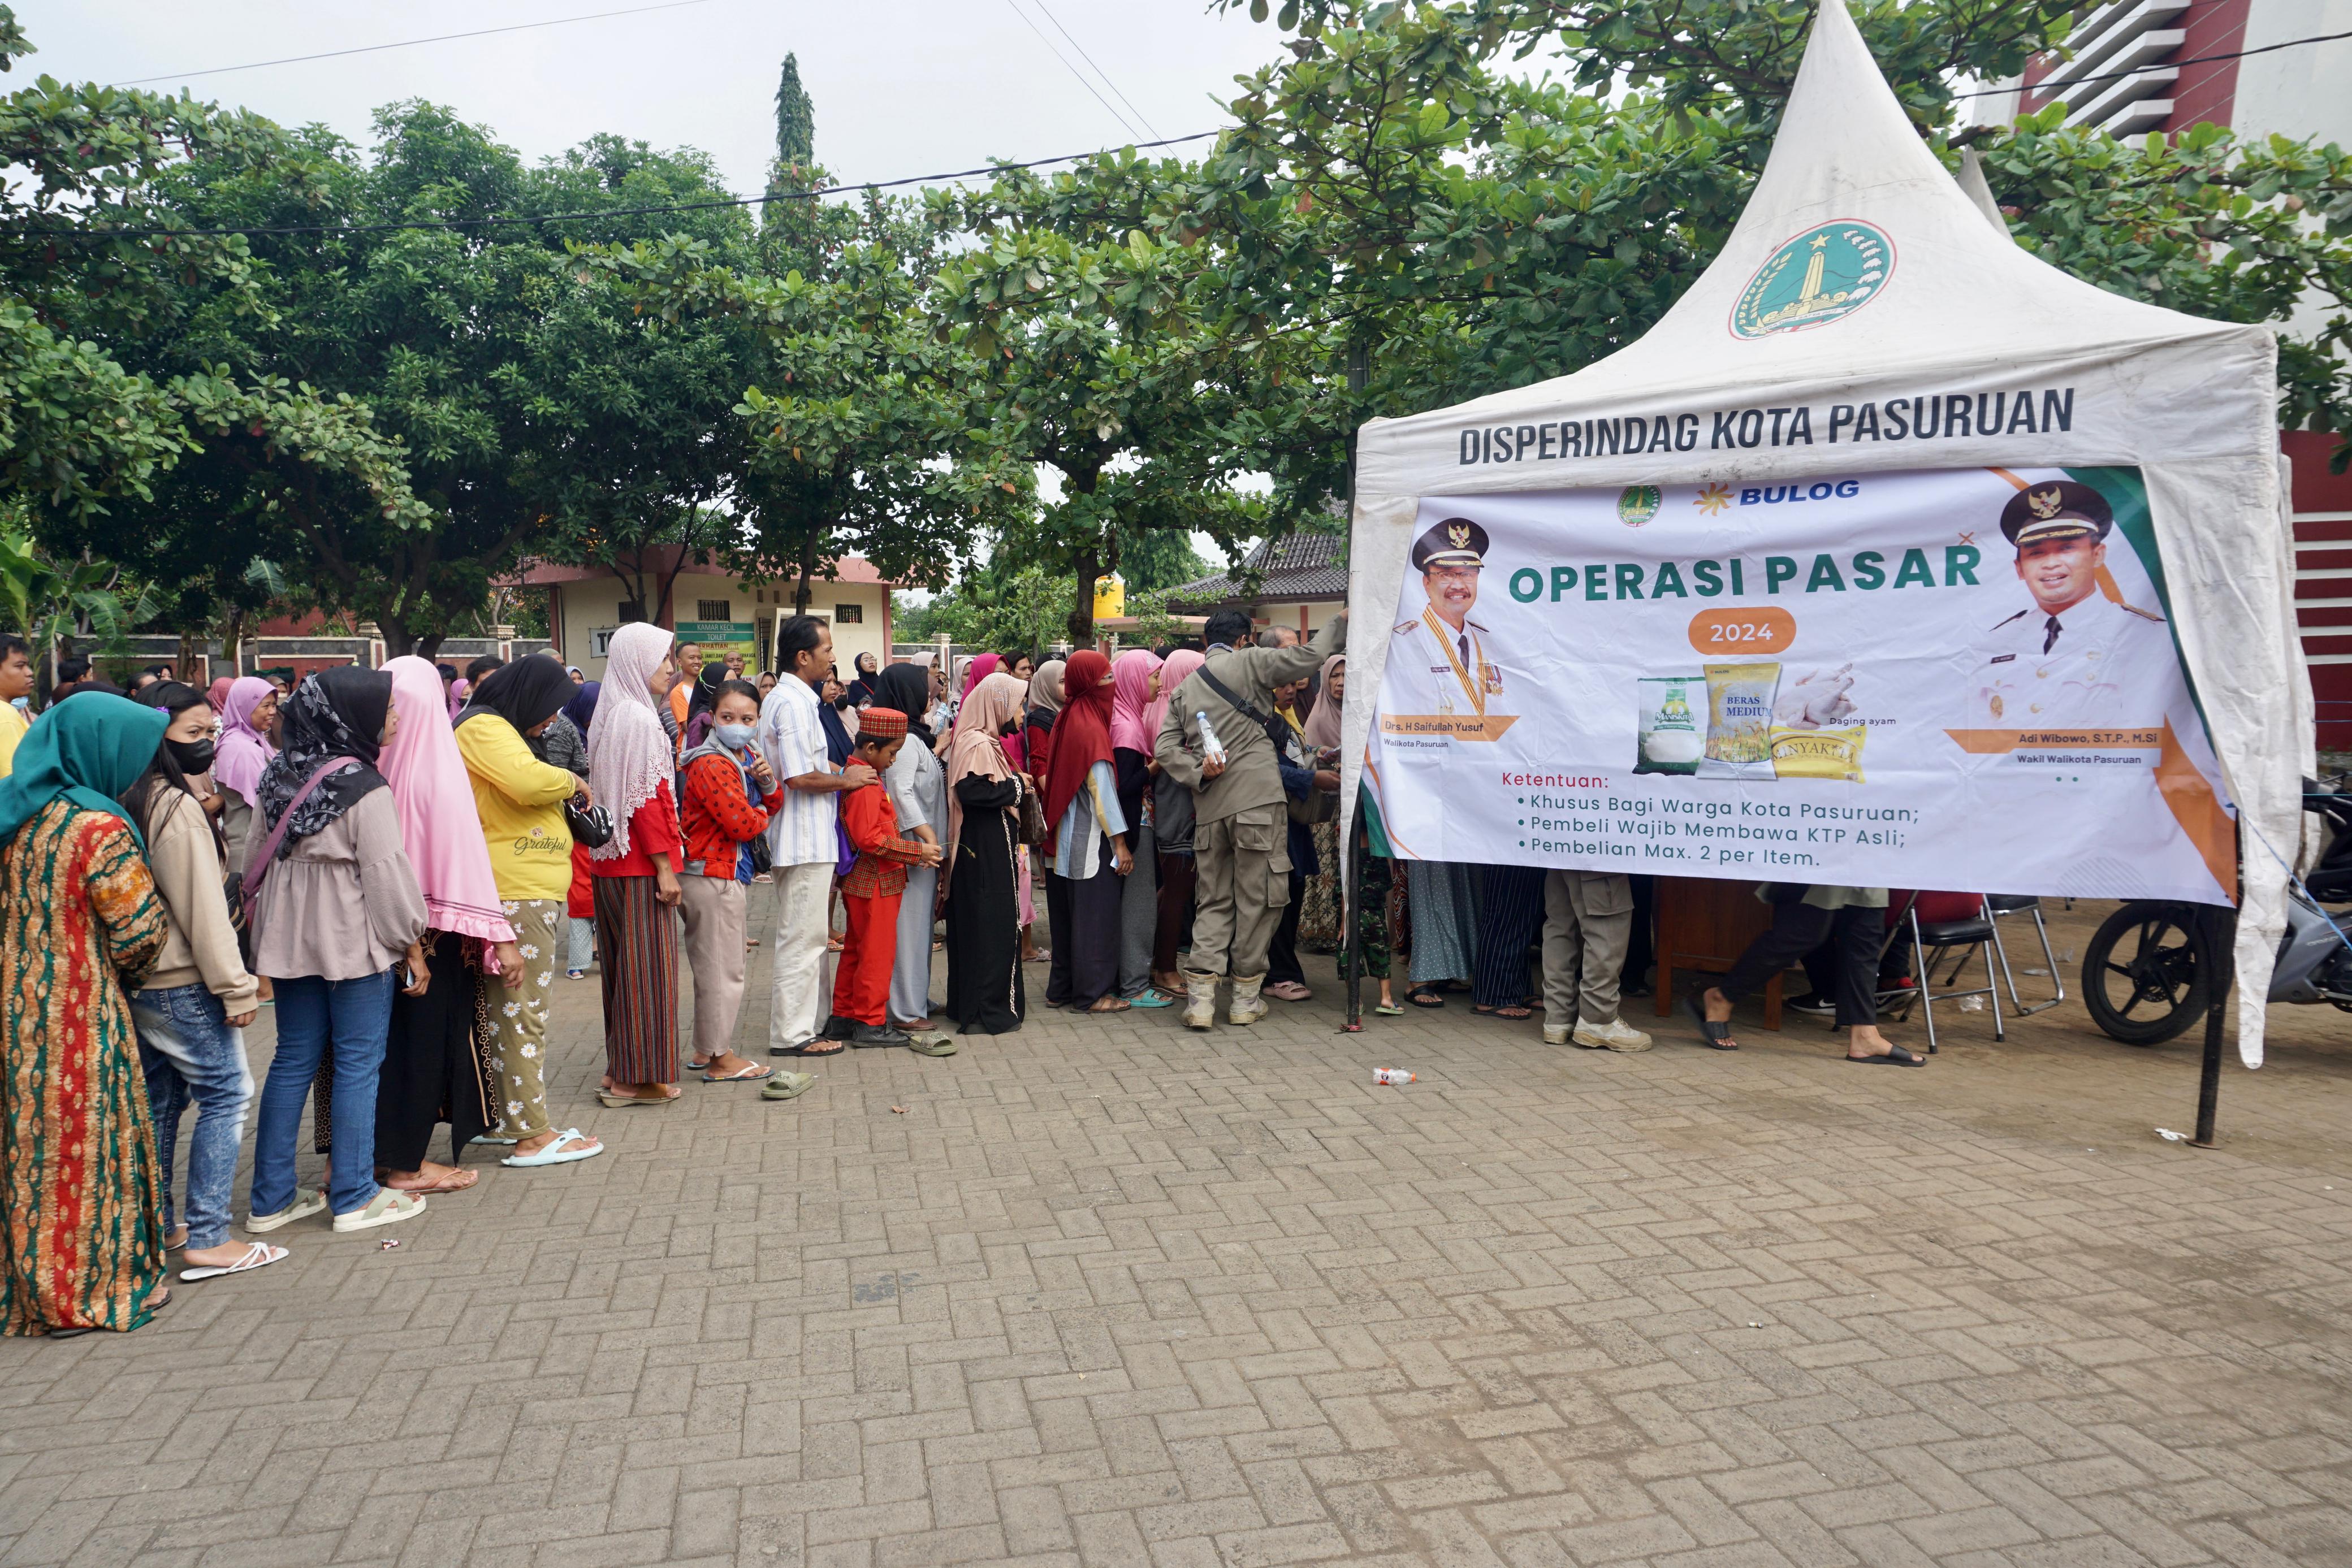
x,y
259,1255
568,1146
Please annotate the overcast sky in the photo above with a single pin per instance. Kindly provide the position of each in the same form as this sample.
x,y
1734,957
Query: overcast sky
x,y
912,87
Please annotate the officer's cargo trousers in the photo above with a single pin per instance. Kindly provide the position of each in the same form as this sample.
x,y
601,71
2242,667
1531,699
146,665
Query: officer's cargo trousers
x,y
1587,925
1244,883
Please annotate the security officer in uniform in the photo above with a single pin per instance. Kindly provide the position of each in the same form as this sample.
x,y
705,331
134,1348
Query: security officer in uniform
x,y
1437,661
1241,823
2075,658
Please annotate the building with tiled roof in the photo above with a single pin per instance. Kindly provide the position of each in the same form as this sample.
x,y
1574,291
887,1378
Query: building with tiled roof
x,y
1301,580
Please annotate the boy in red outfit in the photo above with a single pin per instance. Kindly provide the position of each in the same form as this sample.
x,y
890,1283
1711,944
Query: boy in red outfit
x,y
869,894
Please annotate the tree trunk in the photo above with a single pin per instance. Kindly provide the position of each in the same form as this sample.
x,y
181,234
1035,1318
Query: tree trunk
x,y
184,666
808,570
1088,565
232,641
428,647
399,639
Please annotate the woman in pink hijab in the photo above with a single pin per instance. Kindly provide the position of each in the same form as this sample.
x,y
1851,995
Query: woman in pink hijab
x,y
1171,833
1135,688
246,709
432,1059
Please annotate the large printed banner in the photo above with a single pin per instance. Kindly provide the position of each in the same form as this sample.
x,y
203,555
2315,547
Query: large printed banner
x,y
1958,680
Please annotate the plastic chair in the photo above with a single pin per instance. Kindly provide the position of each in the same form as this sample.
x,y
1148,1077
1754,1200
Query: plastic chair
x,y
2002,906
1942,923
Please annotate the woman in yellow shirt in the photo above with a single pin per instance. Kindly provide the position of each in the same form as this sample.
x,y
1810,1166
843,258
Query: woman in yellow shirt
x,y
520,800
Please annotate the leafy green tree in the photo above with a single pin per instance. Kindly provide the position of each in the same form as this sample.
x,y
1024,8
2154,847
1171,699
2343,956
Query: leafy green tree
x,y
101,401
1151,560
1018,608
2205,223
529,404
857,422
1460,230
1089,356
795,125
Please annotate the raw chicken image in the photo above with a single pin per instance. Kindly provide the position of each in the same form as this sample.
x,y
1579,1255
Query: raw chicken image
x,y
1815,698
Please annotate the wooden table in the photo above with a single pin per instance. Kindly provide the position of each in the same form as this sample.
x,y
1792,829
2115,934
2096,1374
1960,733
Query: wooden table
x,y
1704,925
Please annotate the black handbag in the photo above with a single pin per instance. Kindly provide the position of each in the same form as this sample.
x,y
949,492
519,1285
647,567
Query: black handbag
x,y
592,826
1033,815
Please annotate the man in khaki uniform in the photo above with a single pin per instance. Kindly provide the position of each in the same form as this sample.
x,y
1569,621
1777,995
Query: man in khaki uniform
x,y
1588,925
1241,836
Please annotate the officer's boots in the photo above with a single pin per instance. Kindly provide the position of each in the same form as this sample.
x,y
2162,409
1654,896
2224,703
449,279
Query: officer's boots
x,y
1199,999
1248,1007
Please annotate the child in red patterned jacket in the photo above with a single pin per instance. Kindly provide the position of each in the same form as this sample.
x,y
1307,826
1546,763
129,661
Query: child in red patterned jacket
x,y
869,894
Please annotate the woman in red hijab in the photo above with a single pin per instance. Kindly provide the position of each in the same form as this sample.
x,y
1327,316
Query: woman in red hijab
x,y
1087,834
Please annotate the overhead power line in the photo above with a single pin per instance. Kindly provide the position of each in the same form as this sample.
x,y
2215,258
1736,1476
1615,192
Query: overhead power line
x,y
758,200
2057,92
1098,70
413,42
1124,124
52,235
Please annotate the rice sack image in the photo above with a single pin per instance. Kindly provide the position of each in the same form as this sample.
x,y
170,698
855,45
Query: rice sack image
x,y
1670,740
1740,711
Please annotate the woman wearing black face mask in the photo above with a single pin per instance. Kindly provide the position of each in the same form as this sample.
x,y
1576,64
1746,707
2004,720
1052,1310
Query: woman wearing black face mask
x,y
192,1012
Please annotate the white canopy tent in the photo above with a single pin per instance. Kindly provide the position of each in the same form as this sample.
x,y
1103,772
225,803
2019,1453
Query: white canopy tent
x,y
1959,310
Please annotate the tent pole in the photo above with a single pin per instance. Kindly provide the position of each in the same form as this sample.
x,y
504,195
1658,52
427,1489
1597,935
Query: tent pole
x,y
1350,907
2218,925
1359,376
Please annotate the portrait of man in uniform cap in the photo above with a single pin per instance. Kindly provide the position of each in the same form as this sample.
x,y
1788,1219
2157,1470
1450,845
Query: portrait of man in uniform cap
x,y
1439,658
2074,657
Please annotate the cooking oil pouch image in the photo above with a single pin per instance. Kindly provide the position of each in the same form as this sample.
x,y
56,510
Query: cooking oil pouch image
x,y
1818,753
1673,738
1740,711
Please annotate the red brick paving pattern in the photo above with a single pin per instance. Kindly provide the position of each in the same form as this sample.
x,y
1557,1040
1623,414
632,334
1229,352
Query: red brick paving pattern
x,y
1112,1294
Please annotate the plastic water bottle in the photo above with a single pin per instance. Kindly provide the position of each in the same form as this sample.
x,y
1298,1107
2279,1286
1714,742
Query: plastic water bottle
x,y
1211,749
1391,1076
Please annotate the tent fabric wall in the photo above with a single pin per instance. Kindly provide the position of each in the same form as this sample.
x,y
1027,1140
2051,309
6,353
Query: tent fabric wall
x,y
1963,309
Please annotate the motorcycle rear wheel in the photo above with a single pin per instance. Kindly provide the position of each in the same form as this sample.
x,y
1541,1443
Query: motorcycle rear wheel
x,y
2140,976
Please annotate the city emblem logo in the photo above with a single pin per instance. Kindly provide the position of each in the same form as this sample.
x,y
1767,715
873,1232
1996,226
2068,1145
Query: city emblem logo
x,y
1637,503
1827,272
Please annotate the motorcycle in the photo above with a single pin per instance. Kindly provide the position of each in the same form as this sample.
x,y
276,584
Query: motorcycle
x,y
2146,976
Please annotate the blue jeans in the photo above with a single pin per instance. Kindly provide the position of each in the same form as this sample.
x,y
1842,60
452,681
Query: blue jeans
x,y
190,1054
354,1016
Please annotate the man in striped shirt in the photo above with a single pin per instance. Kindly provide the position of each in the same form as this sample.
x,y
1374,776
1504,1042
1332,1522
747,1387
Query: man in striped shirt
x,y
803,846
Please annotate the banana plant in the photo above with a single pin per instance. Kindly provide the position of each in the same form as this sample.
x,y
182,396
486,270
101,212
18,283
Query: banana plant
x,y
53,600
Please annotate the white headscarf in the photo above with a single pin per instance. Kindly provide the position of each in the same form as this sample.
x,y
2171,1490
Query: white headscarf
x,y
629,755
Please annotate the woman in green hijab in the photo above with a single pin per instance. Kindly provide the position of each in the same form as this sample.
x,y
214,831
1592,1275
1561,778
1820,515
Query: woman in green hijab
x,y
81,1217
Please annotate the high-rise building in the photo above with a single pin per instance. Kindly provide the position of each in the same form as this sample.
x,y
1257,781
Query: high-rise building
x,y
2172,85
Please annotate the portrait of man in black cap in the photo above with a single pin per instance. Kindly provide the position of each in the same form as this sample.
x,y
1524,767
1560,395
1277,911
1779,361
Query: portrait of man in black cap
x,y
1438,660
2074,657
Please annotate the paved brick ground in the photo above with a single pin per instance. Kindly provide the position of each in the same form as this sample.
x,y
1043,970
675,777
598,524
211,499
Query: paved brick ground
x,y
1105,1293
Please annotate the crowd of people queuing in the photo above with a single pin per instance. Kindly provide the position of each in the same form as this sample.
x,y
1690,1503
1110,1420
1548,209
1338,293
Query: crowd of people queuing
x,y
402,861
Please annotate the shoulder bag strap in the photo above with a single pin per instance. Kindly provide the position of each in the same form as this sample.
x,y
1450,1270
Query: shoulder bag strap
x,y
251,889
1275,730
